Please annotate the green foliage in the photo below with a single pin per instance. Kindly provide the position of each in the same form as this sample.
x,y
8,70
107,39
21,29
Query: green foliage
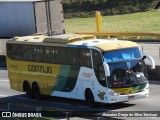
x,y
135,22
87,8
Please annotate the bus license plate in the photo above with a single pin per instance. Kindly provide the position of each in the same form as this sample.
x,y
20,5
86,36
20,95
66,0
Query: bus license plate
x,y
130,97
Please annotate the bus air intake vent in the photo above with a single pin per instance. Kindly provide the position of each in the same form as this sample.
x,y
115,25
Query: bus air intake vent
x,y
68,38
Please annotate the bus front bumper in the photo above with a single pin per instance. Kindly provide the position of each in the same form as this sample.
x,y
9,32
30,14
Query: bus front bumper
x,y
128,97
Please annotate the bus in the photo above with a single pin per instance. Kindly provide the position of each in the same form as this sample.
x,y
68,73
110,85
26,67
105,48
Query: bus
x,y
78,67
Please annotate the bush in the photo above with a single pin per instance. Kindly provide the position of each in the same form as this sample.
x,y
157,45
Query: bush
x,y
87,8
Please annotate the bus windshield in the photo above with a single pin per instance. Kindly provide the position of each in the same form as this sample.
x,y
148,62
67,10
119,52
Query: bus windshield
x,y
123,58
125,65
122,55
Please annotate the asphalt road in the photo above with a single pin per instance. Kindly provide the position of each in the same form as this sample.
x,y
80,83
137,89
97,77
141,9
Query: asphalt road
x,y
50,103
152,49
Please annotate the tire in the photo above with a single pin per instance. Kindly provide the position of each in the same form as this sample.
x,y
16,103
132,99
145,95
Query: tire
x,y
36,92
90,98
28,90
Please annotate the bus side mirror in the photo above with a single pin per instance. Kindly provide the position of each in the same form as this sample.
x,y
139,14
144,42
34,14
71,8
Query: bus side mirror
x,y
151,60
106,69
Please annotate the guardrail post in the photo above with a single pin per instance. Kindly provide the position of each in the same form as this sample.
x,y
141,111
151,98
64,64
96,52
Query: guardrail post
x,y
10,105
98,21
138,37
124,37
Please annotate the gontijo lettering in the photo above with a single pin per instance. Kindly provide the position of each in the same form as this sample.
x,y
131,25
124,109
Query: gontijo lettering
x,y
40,69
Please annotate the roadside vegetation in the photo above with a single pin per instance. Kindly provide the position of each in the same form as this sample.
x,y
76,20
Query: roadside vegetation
x,y
87,8
136,22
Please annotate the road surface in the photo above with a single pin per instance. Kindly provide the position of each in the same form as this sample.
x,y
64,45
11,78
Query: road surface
x,y
152,49
23,103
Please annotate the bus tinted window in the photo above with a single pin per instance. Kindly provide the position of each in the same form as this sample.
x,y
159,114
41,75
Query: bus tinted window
x,y
55,55
97,59
98,67
27,52
85,57
49,55
37,53
73,56
15,51
60,55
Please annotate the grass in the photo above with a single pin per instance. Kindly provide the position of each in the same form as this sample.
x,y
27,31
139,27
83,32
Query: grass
x,y
137,22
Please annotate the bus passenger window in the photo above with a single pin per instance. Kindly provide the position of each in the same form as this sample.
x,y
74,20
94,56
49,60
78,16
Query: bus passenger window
x,y
98,67
49,55
27,53
17,52
37,52
101,73
72,56
60,55
97,59
85,58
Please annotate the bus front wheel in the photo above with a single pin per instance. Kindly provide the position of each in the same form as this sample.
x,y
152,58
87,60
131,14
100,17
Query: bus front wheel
x,y
90,98
28,90
37,92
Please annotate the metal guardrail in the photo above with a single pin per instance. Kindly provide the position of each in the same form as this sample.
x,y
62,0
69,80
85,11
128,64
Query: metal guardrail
x,y
124,34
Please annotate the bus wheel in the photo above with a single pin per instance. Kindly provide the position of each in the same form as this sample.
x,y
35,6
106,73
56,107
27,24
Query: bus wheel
x,y
90,98
28,90
37,92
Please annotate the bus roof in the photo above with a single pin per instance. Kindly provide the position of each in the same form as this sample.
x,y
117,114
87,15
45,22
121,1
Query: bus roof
x,y
76,40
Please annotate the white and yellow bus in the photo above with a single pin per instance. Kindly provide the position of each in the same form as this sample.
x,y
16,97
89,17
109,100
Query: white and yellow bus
x,y
79,67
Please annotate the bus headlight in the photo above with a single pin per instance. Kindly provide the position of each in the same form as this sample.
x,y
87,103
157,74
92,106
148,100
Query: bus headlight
x,y
145,89
114,93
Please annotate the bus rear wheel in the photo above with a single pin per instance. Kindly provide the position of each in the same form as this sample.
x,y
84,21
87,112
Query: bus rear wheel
x,y
90,98
37,92
28,90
